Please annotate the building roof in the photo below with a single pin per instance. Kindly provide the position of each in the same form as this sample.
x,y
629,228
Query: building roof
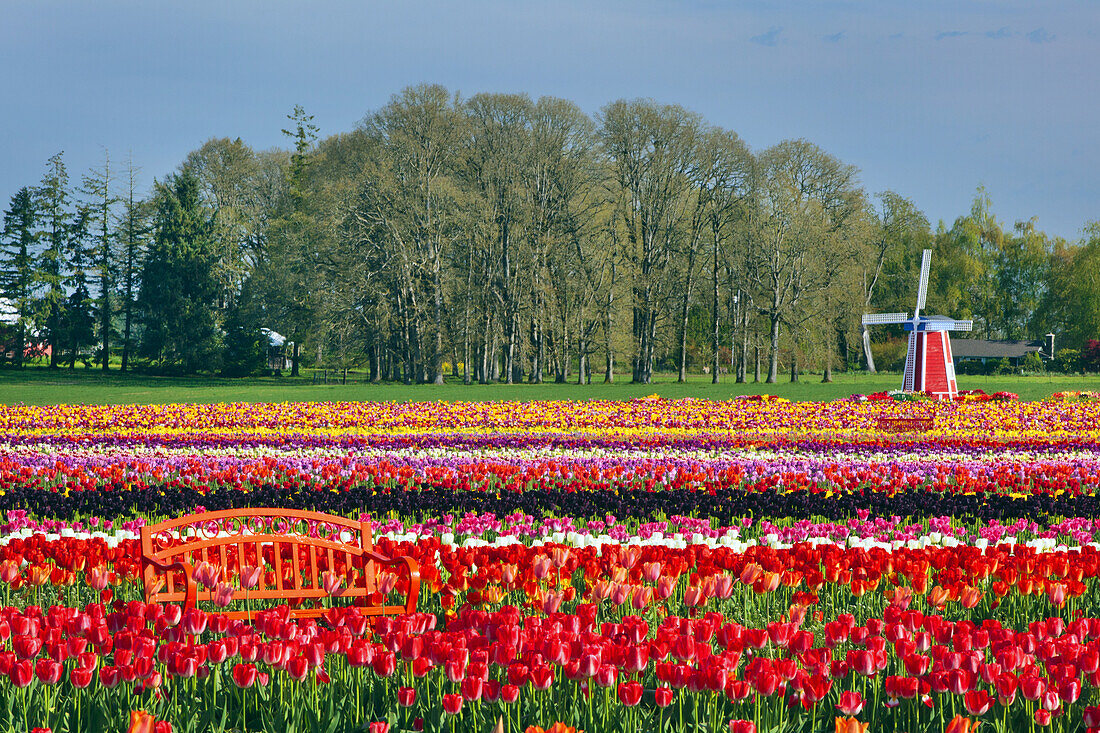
x,y
985,349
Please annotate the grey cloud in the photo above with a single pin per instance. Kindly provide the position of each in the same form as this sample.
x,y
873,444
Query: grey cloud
x,y
949,34
998,34
770,38
834,37
1040,35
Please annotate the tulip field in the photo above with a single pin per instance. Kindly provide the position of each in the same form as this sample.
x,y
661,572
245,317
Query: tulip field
x,y
645,565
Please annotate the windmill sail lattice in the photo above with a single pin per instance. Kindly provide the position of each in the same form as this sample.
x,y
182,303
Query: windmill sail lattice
x,y
928,362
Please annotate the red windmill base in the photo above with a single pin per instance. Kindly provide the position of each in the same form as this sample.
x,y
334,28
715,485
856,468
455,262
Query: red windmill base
x,y
929,366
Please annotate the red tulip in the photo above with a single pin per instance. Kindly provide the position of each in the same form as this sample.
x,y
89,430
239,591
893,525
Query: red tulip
x,y
1032,688
194,621
742,726
663,696
977,702
509,693
48,671
379,727
384,663
850,703
81,677
542,677
406,697
21,673
472,687
244,675
452,704
630,693
298,667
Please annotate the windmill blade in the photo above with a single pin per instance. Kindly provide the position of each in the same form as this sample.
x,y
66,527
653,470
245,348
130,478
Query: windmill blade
x,y
878,318
922,288
961,326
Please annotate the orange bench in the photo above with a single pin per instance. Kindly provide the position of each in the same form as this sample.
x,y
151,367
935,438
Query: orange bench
x,y
293,548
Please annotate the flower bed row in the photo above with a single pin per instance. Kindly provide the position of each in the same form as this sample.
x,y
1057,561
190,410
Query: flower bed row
x,y
1037,420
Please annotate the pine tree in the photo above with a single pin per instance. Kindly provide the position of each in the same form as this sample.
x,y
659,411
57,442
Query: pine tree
x,y
99,200
17,271
79,317
133,233
179,292
58,225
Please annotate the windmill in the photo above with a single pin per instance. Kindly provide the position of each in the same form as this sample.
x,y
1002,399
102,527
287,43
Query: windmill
x,y
928,364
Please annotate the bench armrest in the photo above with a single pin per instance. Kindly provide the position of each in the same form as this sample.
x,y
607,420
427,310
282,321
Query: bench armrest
x,y
413,568
188,572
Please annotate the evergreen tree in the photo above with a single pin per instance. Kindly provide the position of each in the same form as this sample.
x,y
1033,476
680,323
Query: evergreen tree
x,y
99,200
17,272
133,232
78,318
59,224
245,344
177,304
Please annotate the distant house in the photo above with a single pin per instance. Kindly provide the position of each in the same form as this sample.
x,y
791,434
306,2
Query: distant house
x,y
983,349
277,358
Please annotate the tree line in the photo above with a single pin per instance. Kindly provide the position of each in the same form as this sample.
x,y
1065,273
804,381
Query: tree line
x,y
500,238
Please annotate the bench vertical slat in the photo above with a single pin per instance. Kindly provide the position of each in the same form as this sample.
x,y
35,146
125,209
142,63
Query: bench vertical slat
x,y
240,557
279,585
366,542
297,567
314,576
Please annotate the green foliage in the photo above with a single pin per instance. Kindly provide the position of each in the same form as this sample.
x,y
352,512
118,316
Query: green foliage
x,y
1067,361
246,345
19,240
1032,363
1000,366
178,291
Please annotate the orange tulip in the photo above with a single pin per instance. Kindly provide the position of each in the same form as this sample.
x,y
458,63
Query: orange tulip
x,y
141,722
960,724
851,725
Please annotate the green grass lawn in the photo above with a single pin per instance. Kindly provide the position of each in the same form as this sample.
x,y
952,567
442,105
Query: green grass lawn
x,y
40,386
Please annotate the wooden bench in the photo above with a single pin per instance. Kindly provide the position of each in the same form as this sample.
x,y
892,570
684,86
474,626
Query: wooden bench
x,y
295,547
905,424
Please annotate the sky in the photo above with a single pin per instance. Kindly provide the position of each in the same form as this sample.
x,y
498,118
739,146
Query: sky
x,y
929,99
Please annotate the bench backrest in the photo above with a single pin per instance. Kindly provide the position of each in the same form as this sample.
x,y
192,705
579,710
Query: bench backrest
x,y
298,546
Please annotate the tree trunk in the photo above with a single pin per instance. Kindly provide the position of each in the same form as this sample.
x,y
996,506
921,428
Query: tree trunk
x,y
794,364
582,361
756,374
743,362
684,317
714,317
827,377
437,307
294,364
773,351
608,322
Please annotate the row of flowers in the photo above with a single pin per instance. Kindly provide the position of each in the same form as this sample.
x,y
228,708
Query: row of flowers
x,y
136,465
899,669
1055,418
1004,581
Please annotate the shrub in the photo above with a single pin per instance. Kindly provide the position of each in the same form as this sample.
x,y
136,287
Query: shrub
x,y
1067,361
1032,362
